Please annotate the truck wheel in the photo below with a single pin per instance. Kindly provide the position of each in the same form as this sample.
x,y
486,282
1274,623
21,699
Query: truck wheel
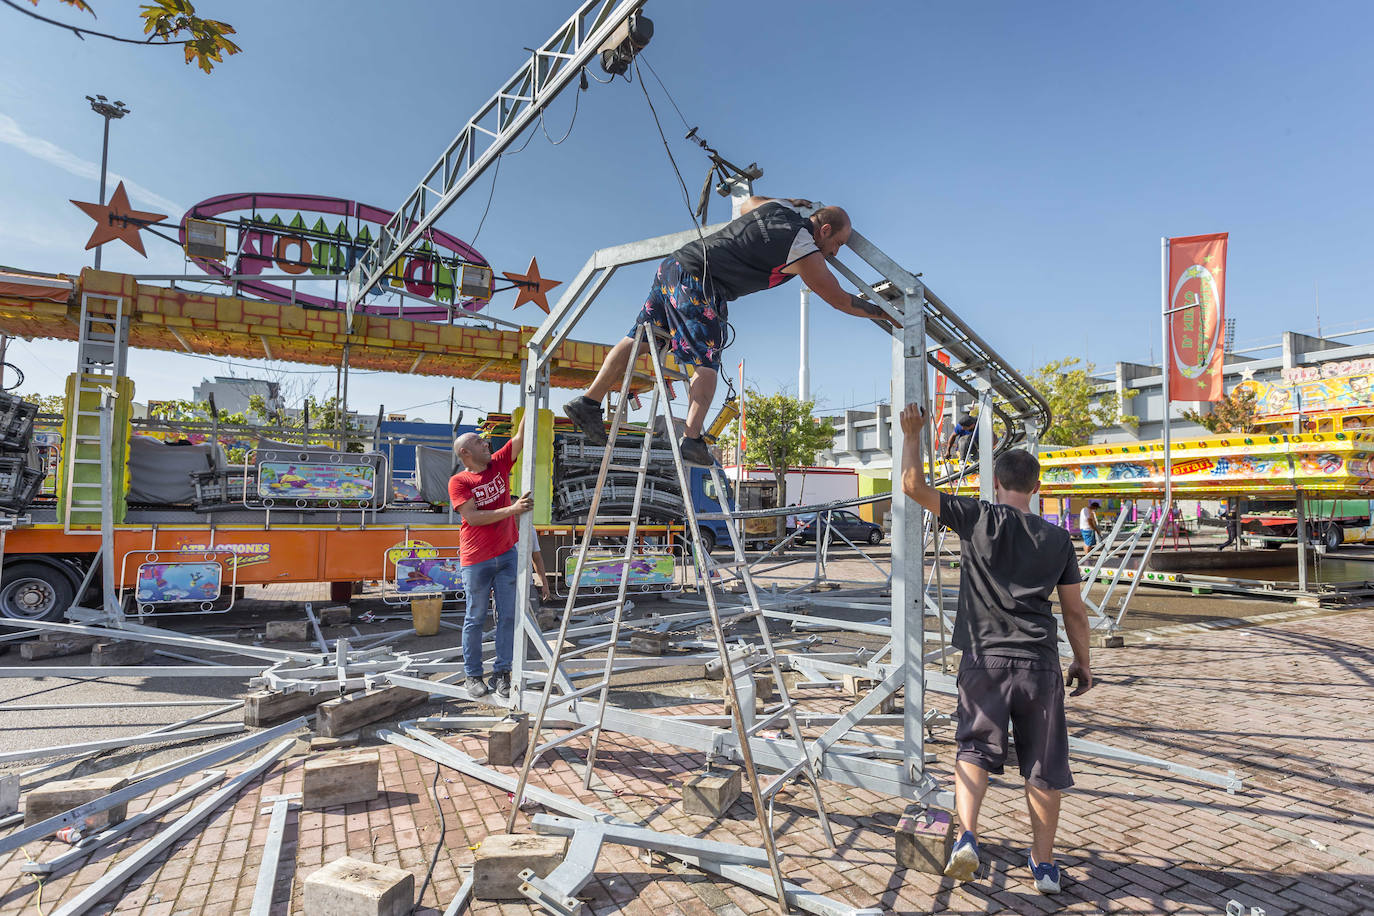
x,y
34,591
1334,536
708,539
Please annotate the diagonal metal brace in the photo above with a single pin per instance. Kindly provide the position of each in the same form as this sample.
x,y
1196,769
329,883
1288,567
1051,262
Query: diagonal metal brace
x,y
555,893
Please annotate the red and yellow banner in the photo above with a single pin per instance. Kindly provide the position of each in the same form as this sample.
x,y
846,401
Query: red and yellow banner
x,y
1197,306
941,384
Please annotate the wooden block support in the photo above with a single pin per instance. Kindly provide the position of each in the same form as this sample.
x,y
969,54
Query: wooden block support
x,y
346,714
119,652
53,798
263,707
711,794
508,741
860,687
924,839
649,643
51,648
318,744
352,887
288,630
1103,641
503,856
340,779
337,616
9,794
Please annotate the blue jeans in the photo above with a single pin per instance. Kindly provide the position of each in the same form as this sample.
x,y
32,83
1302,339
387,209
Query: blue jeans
x,y
480,580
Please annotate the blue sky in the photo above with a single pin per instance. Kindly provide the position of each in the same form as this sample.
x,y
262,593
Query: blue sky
x,y
1025,157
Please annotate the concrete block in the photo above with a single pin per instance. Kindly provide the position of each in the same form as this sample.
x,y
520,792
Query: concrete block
x,y
508,741
9,794
119,652
347,714
318,744
1103,641
503,856
337,616
649,643
340,779
52,648
711,794
352,887
924,839
53,798
263,707
288,630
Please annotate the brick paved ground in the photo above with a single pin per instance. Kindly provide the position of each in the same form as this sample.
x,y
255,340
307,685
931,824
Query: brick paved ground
x,y
1285,704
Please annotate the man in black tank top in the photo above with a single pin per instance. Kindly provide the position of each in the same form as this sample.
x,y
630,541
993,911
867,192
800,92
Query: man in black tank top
x,y
767,245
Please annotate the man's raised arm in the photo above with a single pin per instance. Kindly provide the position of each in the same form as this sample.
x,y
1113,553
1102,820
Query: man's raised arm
x,y
914,483
815,274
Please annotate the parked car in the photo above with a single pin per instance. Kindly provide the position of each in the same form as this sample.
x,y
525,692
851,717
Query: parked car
x,y
846,523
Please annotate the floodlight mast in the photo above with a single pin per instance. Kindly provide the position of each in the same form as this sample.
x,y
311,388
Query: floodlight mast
x,y
598,25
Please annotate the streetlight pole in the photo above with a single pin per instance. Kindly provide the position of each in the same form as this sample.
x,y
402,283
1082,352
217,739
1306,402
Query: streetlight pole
x,y
107,110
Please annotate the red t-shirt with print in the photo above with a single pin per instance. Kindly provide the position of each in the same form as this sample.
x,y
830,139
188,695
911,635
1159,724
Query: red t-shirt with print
x,y
489,489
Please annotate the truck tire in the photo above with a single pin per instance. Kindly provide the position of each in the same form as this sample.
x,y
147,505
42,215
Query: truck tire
x,y
708,539
34,591
1333,536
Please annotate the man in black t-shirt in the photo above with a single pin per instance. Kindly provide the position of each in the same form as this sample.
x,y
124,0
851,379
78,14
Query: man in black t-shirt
x,y
1010,562
767,245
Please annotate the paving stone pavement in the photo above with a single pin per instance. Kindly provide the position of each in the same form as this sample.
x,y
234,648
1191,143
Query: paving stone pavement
x,y
1286,705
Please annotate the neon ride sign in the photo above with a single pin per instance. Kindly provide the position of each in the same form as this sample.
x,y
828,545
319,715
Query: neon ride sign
x,y
269,233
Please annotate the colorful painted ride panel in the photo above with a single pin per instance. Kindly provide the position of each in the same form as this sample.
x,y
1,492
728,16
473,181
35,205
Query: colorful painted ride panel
x,y
648,572
294,480
173,583
428,575
1233,464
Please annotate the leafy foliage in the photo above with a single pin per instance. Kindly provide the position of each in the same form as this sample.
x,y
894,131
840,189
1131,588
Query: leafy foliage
x,y
1078,409
47,403
1234,413
780,432
165,22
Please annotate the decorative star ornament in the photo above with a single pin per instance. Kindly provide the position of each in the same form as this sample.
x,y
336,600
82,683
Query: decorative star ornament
x,y
118,220
533,288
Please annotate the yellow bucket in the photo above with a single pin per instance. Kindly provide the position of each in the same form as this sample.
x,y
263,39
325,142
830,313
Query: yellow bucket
x,y
424,613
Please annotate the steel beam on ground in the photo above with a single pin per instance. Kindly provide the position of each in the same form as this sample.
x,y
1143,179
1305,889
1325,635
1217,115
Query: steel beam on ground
x,y
130,865
271,853
100,673
134,632
88,747
91,843
198,762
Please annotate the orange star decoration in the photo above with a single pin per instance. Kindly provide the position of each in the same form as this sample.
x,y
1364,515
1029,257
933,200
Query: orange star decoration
x,y
533,288
118,220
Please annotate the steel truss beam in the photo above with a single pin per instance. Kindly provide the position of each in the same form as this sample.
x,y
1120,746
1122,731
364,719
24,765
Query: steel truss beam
x,y
514,107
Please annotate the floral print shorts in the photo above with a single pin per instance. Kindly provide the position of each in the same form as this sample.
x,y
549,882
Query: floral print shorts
x,y
696,320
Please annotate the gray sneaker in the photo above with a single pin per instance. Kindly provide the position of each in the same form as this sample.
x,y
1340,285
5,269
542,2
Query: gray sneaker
x,y
588,419
476,687
500,685
963,859
695,452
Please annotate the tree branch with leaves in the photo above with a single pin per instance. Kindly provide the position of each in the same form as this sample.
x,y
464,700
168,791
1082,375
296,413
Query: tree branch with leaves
x,y
1234,413
1078,408
164,22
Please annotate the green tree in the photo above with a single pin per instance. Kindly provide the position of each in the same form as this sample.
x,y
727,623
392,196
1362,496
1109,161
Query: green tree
x,y
47,403
1077,407
322,420
1234,413
165,22
780,432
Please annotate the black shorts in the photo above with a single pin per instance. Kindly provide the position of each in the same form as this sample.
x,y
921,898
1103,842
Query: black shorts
x,y
1028,693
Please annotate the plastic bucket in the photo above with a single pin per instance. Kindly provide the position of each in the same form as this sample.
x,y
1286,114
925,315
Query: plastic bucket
x,y
424,612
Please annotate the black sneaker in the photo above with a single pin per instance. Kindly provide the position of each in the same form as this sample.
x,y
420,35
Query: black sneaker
x,y
476,687
500,684
695,452
588,419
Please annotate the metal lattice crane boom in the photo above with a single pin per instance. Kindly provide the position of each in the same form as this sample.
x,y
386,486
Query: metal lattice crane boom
x,y
489,132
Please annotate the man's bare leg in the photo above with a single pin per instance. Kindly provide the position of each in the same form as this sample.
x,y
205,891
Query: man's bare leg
x,y
612,371
1043,805
970,785
700,391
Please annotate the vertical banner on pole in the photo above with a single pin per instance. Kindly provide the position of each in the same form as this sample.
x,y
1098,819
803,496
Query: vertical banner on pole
x,y
941,382
1196,307
743,440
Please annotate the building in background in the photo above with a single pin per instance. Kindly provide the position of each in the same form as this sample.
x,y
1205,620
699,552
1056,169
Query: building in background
x,y
233,395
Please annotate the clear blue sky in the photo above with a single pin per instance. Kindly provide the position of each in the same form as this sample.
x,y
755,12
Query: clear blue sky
x,y
1025,157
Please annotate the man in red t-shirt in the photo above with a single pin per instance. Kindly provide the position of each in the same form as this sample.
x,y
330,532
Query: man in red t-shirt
x,y
481,494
